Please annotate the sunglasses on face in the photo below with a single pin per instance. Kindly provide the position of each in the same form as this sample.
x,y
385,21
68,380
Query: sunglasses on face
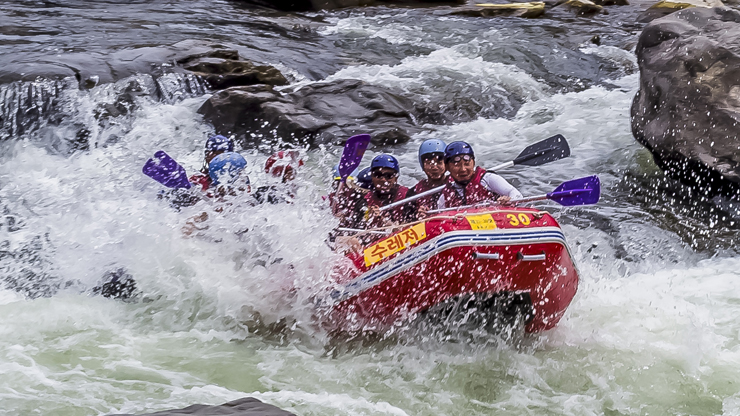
x,y
387,175
458,159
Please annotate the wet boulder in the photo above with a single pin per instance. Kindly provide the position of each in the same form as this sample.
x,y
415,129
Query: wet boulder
x,y
327,112
315,5
212,60
528,10
612,2
166,74
687,110
581,7
666,7
223,68
247,406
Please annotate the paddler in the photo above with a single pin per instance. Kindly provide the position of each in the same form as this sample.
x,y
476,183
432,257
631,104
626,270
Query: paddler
x,y
384,190
227,175
384,172
364,179
346,195
470,184
344,201
282,165
215,145
432,162
226,172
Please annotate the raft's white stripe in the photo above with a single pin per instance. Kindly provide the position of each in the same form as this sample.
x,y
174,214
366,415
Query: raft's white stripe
x,y
443,242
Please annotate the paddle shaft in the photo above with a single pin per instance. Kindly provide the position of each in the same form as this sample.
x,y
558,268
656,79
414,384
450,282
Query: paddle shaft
x,y
357,230
529,199
480,204
438,189
560,196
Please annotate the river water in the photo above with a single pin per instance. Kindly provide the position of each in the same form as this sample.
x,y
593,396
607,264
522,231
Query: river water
x,y
651,331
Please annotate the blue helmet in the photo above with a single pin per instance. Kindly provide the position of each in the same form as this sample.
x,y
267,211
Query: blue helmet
x,y
458,148
431,146
226,167
385,161
364,179
219,143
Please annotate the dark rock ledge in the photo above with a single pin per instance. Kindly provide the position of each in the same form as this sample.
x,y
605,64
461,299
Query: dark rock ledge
x,y
247,406
318,113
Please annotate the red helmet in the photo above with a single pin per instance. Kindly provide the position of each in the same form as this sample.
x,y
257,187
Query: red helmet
x,y
283,164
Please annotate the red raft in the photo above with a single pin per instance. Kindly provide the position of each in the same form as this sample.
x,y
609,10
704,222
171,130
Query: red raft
x,y
512,253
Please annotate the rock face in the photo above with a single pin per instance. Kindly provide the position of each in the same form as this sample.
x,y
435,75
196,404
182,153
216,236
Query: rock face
x,y
529,10
665,7
327,112
247,406
581,7
309,5
222,68
167,74
220,65
687,111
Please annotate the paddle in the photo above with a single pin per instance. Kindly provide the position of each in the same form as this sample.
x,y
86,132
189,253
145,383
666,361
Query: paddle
x,y
359,230
165,170
582,191
546,151
354,149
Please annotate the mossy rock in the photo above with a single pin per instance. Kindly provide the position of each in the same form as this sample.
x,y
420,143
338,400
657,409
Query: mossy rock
x,y
525,9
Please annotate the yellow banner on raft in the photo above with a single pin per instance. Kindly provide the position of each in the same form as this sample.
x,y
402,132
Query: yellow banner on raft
x,y
398,242
481,222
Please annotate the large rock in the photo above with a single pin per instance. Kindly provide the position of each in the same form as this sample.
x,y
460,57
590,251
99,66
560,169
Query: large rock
x,y
315,5
327,112
688,107
665,7
581,7
220,64
527,9
247,406
167,74
223,68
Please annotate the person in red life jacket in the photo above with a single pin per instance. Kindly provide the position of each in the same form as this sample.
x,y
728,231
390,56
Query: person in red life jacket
x,y
281,165
346,195
227,175
469,184
228,180
384,172
364,179
179,198
215,145
344,200
432,161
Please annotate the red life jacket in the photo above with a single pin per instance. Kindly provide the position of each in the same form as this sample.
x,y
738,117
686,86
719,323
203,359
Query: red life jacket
x,y
395,214
473,192
429,201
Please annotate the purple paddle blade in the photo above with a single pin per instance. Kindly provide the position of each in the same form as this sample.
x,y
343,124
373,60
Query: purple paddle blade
x,y
354,149
165,170
582,191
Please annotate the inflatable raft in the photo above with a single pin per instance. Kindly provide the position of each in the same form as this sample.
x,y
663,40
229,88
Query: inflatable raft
x,y
509,259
